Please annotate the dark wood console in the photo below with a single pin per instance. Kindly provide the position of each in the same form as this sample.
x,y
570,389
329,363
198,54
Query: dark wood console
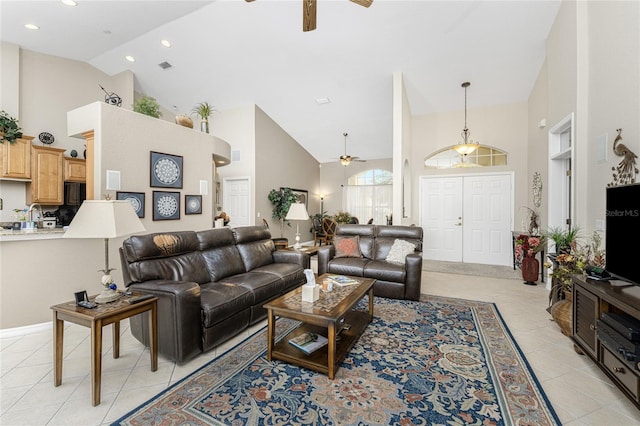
x,y
590,300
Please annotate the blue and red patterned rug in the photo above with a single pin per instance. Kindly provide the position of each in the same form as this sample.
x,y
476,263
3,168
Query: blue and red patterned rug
x,y
439,361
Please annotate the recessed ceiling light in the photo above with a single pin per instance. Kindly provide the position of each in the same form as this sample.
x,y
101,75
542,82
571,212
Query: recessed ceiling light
x,y
69,2
322,101
165,43
130,58
31,26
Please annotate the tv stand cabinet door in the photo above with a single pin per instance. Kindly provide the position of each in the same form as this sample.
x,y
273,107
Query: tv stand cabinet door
x,y
585,314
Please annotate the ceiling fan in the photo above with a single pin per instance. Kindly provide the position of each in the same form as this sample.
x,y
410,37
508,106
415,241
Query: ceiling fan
x,y
345,159
309,12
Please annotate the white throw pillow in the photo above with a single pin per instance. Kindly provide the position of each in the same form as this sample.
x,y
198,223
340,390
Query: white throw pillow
x,y
399,250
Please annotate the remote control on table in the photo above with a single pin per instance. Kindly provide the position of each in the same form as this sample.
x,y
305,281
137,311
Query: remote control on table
x,y
86,304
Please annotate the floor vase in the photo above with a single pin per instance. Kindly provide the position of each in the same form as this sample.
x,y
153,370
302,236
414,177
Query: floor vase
x,y
530,267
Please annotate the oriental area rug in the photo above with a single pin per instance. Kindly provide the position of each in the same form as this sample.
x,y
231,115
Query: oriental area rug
x,y
440,361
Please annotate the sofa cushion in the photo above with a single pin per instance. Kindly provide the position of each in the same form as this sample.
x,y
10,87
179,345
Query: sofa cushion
x,y
290,273
347,246
348,266
365,235
399,251
262,285
220,253
184,267
220,301
254,245
385,271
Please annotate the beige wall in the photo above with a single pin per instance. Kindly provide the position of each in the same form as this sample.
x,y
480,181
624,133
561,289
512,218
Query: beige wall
x,y
404,179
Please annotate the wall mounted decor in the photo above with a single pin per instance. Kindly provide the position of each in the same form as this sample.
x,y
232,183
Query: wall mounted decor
x,y
46,138
193,204
111,98
135,198
536,188
166,205
165,170
302,196
625,172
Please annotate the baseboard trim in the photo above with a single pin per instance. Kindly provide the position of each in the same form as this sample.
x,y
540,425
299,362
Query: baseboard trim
x,y
27,329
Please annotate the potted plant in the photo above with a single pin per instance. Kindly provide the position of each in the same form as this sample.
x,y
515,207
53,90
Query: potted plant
x,y
281,201
565,240
204,111
9,128
342,217
148,106
526,249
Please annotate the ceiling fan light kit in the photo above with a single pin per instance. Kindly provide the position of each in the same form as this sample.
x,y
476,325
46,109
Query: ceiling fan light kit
x,y
467,146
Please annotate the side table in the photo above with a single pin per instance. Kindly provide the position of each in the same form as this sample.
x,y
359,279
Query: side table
x,y
102,315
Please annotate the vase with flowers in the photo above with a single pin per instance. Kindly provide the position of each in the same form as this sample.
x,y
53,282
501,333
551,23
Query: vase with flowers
x,y
527,247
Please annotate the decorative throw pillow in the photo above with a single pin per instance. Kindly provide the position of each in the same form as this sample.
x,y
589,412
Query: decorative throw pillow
x,y
347,246
399,250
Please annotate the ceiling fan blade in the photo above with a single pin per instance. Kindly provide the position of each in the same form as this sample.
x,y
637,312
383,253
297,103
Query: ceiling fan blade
x,y
309,15
365,3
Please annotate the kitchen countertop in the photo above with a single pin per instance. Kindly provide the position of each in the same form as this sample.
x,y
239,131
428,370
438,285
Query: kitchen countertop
x,y
31,234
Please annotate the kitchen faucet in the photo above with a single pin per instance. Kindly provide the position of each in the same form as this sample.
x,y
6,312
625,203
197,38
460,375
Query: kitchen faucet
x,y
32,207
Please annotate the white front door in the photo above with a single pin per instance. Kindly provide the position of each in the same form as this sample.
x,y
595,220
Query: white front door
x,y
441,201
467,218
236,196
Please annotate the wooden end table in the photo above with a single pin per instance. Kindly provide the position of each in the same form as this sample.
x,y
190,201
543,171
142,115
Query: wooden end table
x,y
328,315
102,315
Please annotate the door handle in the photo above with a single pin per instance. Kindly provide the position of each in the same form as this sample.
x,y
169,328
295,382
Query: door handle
x,y
459,224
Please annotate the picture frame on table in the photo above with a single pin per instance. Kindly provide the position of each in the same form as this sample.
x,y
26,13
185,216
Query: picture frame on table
x,y
166,205
136,199
192,204
302,196
165,170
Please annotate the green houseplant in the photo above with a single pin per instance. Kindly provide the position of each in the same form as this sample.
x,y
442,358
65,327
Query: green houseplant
x,y
281,200
148,106
204,111
9,128
565,240
342,217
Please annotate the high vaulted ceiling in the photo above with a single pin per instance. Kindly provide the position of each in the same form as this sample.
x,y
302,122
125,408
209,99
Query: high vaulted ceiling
x,y
232,53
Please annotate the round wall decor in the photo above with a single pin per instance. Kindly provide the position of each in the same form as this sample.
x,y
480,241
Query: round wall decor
x,y
46,138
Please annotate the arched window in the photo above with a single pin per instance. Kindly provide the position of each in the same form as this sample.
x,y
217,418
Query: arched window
x,y
369,195
483,156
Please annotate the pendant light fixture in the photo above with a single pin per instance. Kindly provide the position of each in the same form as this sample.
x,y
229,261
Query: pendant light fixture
x,y
467,146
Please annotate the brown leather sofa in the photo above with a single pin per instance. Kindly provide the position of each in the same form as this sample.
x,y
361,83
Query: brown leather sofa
x,y
397,281
211,284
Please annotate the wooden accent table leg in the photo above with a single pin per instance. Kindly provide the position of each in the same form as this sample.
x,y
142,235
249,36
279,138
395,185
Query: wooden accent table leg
x,y
271,331
58,338
331,350
96,361
371,304
153,336
116,339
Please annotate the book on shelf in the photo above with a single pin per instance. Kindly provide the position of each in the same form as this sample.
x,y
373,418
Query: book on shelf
x,y
308,342
342,281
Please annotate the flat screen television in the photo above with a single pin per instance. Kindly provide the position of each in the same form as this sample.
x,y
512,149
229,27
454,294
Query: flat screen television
x,y
623,232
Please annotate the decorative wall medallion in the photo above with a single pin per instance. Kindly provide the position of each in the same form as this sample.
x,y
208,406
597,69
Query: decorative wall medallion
x,y
166,170
193,204
46,138
135,198
166,205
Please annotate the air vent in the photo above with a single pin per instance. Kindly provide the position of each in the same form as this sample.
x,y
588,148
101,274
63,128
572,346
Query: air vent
x,y
165,65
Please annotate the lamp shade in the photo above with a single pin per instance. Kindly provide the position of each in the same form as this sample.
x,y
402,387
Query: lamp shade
x,y
104,219
297,211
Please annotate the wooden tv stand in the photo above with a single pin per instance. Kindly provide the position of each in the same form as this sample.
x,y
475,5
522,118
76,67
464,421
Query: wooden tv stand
x,y
590,300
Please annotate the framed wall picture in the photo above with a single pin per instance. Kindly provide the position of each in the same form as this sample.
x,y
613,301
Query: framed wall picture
x,y
193,204
135,198
166,205
302,196
165,170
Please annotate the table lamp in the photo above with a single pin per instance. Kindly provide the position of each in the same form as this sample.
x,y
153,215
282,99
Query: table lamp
x,y
297,212
105,219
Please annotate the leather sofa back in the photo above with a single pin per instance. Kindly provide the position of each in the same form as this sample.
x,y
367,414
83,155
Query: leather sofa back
x,y
219,251
365,235
254,245
386,236
170,256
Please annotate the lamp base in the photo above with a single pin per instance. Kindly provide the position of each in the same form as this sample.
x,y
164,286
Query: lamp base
x,y
297,245
107,296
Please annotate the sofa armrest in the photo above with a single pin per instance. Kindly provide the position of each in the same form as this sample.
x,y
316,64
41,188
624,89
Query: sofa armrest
x,y
179,313
413,265
290,256
325,254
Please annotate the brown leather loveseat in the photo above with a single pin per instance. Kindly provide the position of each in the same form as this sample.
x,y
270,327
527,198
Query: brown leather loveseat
x,y
394,279
211,284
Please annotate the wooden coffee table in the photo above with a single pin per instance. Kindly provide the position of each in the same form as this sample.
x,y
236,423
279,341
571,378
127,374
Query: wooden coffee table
x,y
331,316
95,319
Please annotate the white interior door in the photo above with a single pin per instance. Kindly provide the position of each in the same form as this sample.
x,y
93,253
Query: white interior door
x,y
441,201
467,218
236,196
487,220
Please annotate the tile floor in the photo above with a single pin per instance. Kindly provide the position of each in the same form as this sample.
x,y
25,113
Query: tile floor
x,y
577,389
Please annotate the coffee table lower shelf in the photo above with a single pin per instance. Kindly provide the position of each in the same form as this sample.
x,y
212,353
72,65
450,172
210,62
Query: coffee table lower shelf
x,y
319,359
